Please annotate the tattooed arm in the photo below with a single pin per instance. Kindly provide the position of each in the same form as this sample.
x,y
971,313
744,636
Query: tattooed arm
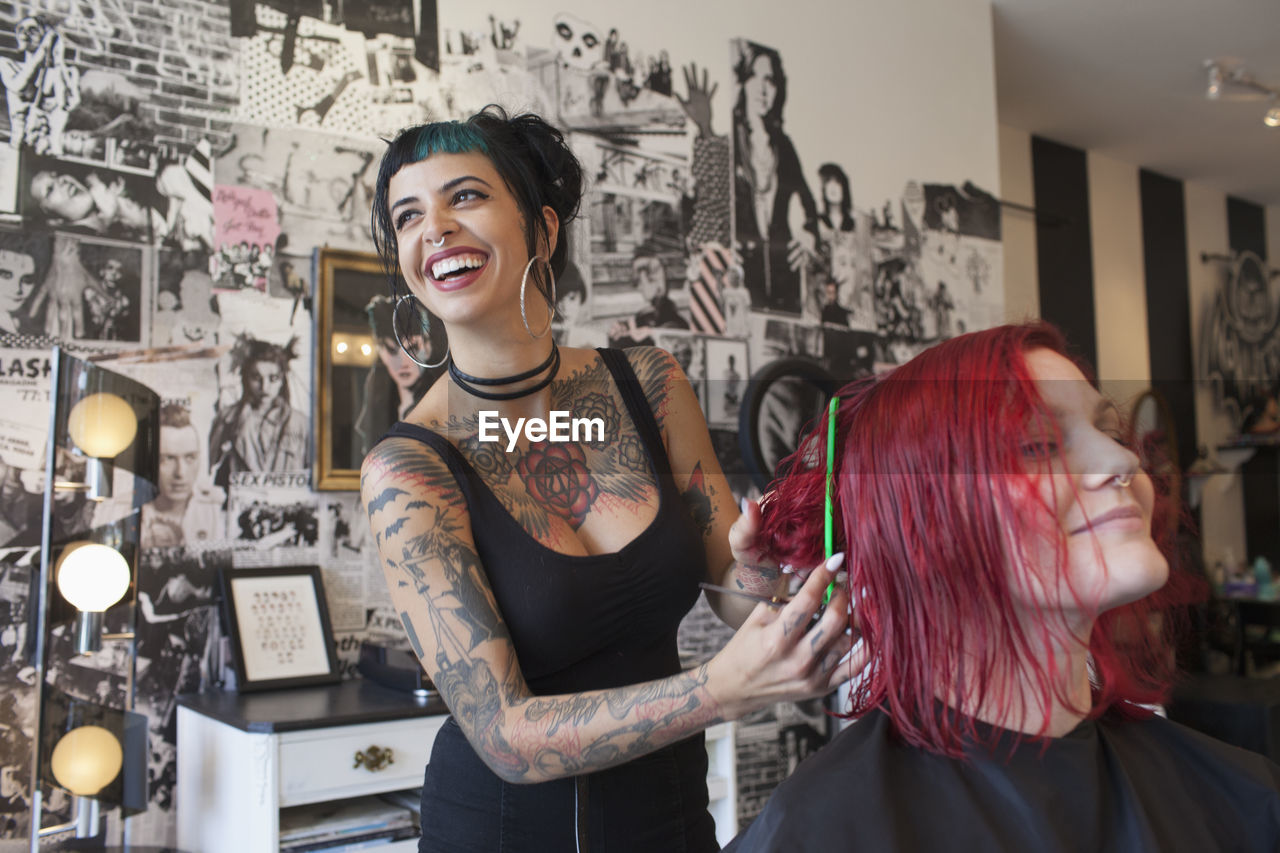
x,y
701,482
440,589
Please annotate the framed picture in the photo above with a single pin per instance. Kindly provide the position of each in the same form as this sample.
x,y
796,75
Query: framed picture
x,y
365,381
280,630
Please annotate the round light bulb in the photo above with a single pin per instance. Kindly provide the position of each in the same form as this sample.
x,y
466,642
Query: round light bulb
x,y
366,349
86,760
1272,118
92,577
342,346
102,425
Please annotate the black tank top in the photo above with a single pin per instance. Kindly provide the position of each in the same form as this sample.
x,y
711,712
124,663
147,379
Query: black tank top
x,y
579,623
594,621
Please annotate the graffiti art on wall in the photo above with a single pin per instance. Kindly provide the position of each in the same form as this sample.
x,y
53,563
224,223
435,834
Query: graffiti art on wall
x,y
1240,343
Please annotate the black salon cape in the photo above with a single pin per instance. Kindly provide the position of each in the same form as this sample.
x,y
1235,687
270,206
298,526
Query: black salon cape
x,y
1127,787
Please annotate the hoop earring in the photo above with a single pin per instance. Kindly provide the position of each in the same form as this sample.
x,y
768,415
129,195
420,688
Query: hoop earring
x,y
551,300
426,329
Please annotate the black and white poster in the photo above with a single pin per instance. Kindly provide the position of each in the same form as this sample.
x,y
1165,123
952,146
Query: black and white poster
x,y
775,217
86,198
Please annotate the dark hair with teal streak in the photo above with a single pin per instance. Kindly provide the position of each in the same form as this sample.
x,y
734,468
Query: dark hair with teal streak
x,y
529,154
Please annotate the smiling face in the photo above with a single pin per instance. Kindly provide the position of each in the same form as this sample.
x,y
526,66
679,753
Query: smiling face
x,y
460,202
1104,525
61,195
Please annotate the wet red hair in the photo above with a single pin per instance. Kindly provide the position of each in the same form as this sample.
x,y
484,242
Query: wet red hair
x,y
930,535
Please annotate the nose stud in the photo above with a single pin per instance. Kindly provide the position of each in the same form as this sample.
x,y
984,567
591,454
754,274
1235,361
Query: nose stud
x,y
438,245
1124,480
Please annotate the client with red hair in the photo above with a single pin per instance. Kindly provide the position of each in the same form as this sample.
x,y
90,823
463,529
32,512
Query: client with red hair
x,y
1010,587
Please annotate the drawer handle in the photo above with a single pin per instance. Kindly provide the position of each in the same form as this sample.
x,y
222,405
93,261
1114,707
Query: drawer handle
x,y
374,758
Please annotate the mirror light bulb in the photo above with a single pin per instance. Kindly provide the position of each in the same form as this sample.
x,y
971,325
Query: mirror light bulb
x,y
102,425
92,577
86,760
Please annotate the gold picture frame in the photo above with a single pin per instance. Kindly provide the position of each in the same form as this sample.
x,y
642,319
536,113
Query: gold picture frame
x,y
346,355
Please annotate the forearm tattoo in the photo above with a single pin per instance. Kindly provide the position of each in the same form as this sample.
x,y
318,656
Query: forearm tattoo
x,y
646,715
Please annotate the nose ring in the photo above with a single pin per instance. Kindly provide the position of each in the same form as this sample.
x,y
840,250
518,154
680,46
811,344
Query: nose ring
x,y
1124,480
438,245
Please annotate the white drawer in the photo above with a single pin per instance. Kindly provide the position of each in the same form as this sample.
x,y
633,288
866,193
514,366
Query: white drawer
x,y
319,764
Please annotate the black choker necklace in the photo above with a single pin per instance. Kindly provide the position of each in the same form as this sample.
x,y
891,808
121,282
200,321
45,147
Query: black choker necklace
x,y
467,382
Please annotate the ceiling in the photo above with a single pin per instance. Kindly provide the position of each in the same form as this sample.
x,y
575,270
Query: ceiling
x,y
1126,79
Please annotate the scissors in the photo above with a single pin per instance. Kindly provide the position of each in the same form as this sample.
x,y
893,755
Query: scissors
x,y
775,602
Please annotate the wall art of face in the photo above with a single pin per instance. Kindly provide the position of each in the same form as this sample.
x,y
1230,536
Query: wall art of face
x,y
263,381
580,42
16,270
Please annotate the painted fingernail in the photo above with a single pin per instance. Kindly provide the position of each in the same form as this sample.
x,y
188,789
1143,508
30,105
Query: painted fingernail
x,y
786,569
743,504
835,561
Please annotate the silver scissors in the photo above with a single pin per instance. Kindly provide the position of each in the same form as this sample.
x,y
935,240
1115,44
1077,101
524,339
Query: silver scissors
x,y
774,602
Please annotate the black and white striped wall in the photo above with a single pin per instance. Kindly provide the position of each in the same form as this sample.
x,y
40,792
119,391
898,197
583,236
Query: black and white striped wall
x,y
1112,256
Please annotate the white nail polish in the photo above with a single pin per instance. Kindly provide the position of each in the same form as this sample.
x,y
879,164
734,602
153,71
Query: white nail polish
x,y
786,569
743,504
835,561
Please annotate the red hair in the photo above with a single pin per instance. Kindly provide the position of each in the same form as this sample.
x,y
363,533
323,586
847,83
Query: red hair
x,y
930,535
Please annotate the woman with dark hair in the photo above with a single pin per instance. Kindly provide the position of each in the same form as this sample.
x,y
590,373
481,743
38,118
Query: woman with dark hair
x,y
836,198
767,177
839,240
1014,598
541,578
396,381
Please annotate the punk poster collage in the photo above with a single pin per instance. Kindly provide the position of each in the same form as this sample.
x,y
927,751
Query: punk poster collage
x,y
165,185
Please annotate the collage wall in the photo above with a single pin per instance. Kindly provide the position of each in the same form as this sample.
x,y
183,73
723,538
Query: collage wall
x,y
169,170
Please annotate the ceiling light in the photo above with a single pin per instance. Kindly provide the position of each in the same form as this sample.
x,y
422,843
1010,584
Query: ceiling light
x,y
1215,81
1230,79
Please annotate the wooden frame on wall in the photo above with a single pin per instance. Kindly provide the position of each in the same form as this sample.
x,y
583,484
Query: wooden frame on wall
x,y
346,360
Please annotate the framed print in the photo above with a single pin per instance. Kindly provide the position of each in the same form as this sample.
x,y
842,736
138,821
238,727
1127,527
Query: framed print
x,y
365,381
280,630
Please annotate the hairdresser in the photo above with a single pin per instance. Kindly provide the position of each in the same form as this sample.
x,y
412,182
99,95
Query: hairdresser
x,y
542,587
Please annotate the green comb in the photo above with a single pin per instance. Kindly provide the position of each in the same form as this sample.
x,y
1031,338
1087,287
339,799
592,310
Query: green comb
x,y
829,534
